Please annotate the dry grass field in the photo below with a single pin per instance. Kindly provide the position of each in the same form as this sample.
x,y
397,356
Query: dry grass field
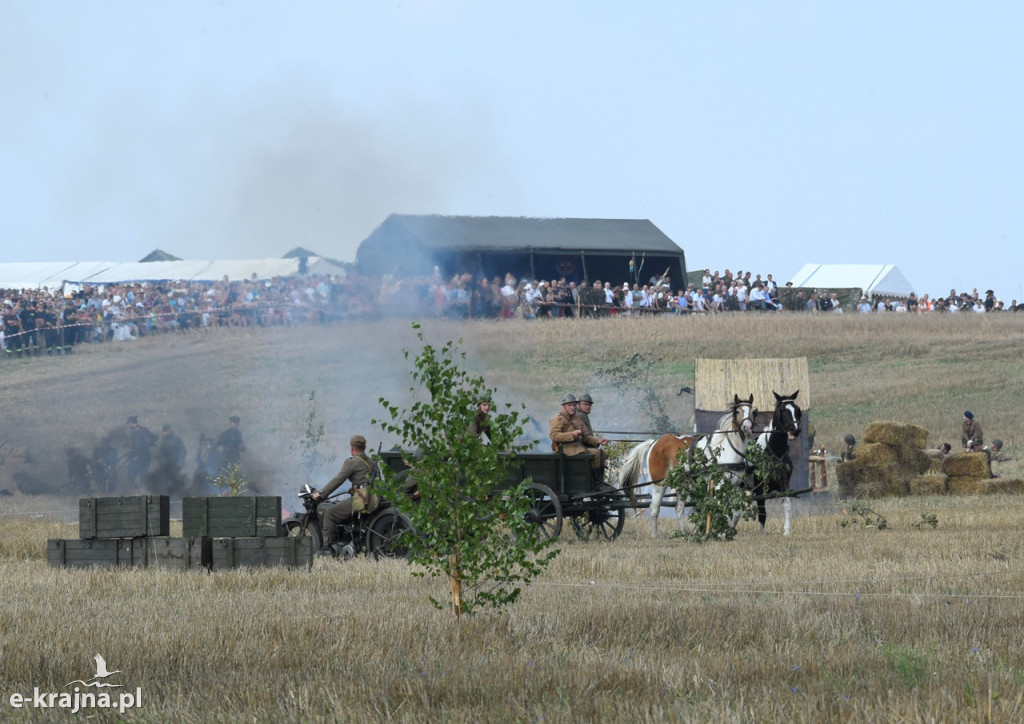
x,y
836,622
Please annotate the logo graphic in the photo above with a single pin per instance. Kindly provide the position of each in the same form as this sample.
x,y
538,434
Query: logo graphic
x,y
77,700
101,673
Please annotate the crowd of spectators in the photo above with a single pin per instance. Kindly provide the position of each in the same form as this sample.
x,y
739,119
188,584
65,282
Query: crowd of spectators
x,y
44,321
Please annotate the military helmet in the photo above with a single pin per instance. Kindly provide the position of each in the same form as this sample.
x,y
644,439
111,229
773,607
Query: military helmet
x,y
585,397
568,398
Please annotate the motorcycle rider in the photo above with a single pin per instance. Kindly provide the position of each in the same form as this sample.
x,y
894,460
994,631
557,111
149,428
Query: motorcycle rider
x,y
359,469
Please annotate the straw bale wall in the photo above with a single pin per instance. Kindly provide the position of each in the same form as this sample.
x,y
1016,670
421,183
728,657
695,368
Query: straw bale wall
x,y
892,461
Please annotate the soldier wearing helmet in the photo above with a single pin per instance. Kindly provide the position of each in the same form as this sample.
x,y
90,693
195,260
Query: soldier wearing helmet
x,y
583,407
569,436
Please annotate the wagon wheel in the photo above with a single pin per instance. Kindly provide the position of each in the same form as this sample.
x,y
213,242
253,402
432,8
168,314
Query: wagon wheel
x,y
293,529
384,537
545,510
601,523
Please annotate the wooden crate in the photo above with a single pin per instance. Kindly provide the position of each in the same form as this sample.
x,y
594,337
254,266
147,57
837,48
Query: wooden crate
x,y
237,552
181,554
105,552
231,517
124,517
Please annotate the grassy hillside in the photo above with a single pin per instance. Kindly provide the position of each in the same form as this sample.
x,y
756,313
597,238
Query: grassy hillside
x,y
907,369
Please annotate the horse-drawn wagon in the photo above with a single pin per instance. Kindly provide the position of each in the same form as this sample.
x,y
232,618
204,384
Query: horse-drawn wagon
x,y
559,487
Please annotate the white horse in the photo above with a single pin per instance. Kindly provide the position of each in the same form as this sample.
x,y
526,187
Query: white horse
x,y
650,462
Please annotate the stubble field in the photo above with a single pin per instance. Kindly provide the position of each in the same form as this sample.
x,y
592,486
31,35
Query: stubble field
x,y
836,622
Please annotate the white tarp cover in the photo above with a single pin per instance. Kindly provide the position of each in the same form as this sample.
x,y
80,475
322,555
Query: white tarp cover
x,y
870,278
35,275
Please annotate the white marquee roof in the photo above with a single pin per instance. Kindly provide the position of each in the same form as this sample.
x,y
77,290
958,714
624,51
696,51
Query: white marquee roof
x,y
870,278
35,275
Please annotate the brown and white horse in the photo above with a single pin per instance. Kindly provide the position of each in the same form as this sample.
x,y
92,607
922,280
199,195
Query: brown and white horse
x,y
650,461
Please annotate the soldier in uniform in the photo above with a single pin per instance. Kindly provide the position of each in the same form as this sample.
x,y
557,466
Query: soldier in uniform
x,y
104,466
230,444
359,470
481,424
570,438
170,456
207,466
583,407
79,473
141,440
970,430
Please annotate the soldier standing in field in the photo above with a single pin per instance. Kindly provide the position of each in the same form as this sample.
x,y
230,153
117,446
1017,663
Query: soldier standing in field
x,y
141,440
171,456
230,444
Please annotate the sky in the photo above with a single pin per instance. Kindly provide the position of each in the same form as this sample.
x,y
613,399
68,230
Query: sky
x,y
757,135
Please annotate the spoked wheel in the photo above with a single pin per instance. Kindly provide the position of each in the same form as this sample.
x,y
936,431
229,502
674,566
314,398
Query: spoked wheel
x,y
383,539
545,510
600,523
293,529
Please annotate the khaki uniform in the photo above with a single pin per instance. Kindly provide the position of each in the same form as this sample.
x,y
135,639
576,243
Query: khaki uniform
x,y
599,452
358,469
560,431
971,430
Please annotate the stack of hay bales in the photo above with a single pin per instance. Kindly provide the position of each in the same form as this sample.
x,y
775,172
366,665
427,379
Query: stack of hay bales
x,y
968,473
891,456
892,461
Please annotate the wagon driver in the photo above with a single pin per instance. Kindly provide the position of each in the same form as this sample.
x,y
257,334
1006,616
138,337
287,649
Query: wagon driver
x,y
359,470
583,408
568,436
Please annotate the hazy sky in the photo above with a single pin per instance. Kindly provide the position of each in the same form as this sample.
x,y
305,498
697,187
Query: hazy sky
x,y
757,135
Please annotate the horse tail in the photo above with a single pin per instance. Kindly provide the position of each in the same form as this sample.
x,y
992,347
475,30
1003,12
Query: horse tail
x,y
633,466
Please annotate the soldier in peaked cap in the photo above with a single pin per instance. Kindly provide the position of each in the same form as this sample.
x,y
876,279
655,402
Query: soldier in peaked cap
x,y
568,435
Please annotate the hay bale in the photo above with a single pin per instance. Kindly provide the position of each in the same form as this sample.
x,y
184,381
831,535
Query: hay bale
x,y
967,465
875,455
930,484
1002,485
912,459
966,485
857,479
897,434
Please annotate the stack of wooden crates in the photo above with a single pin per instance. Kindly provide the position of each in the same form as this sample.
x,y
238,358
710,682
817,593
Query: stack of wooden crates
x,y
217,533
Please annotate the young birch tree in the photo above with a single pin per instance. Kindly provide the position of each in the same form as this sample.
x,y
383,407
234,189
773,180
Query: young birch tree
x,y
471,523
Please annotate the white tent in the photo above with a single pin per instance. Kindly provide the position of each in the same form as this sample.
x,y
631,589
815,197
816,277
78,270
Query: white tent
x,y
871,279
52,275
